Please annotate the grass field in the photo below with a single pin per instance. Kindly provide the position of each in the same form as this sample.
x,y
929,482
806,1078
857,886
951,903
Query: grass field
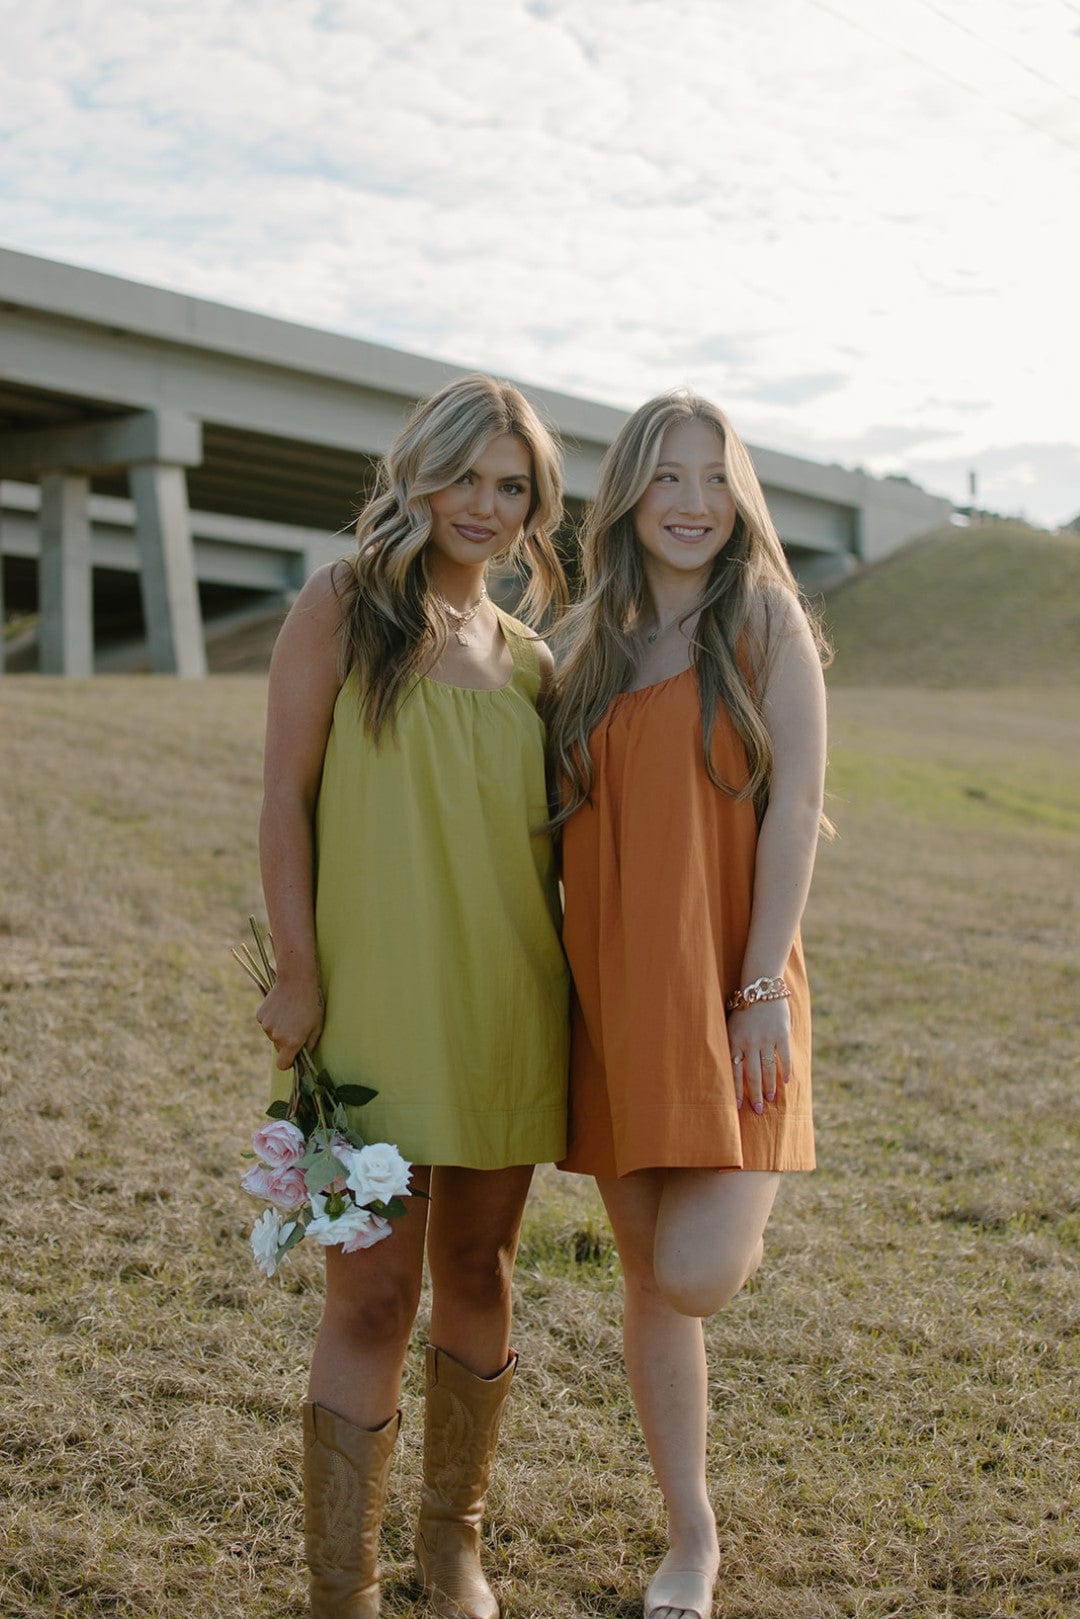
x,y
894,1398
994,605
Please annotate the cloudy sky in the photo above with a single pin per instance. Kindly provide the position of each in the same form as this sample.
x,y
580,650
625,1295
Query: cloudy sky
x,y
852,224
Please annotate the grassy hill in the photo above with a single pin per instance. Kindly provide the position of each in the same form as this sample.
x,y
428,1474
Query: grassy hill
x,y
893,1397
989,606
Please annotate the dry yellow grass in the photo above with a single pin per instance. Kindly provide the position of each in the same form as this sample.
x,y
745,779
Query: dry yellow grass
x,y
893,1421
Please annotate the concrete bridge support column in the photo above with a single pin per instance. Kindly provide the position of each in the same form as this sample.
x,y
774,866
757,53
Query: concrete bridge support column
x,y
170,595
65,598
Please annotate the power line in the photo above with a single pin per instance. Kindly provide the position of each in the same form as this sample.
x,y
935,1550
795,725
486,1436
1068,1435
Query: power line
x,y
963,84
1008,55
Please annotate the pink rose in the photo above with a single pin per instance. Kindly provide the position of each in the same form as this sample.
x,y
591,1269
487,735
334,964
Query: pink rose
x,y
278,1143
256,1180
286,1188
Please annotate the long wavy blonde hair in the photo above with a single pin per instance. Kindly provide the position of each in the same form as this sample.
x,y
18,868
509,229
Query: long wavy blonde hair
x,y
731,641
391,630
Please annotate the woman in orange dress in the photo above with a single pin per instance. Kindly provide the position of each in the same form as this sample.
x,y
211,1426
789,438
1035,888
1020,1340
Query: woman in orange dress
x,y
690,739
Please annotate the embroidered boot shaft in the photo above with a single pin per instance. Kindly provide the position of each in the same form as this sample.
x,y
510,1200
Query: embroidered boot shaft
x,y
461,1430
346,1473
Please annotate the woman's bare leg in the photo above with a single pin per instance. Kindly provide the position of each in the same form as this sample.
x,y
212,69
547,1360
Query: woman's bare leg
x,y
473,1229
372,1296
699,1235
371,1303
709,1234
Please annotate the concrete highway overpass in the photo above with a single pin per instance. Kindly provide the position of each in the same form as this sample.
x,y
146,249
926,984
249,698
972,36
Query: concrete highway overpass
x,y
163,457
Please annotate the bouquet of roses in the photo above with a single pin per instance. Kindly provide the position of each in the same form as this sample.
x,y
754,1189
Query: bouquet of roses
x,y
319,1177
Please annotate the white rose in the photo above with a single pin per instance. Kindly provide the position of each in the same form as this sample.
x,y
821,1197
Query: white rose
x,y
376,1173
367,1236
267,1235
354,1228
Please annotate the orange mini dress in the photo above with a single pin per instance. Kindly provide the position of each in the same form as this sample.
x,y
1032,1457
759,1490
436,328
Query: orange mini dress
x,y
658,872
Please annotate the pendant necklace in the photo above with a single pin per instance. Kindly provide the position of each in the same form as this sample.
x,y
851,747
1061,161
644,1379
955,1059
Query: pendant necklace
x,y
652,636
459,620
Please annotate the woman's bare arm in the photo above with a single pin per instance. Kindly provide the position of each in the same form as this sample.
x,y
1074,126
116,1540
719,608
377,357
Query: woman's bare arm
x,y
304,684
793,711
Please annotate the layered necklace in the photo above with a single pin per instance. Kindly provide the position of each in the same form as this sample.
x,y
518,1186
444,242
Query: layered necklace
x,y
458,620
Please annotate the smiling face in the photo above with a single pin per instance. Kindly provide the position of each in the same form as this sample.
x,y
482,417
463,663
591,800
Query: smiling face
x,y
686,515
484,511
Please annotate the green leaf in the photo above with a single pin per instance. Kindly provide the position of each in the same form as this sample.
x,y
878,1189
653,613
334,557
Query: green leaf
x,y
278,1110
394,1209
327,1169
355,1095
295,1235
341,1118
354,1138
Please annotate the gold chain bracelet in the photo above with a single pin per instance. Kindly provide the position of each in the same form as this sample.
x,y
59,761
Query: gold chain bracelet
x,y
762,989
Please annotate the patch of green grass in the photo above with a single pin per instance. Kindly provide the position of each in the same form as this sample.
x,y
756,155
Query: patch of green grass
x,y
17,624
989,606
942,792
565,1234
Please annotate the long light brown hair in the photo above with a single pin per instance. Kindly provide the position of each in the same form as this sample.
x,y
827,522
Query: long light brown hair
x,y
390,629
731,640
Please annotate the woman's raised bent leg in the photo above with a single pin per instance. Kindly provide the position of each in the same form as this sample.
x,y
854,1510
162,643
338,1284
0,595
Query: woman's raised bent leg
x,y
709,1234
371,1302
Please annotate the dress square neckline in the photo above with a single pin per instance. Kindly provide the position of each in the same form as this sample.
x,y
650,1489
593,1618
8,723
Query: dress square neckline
x,y
452,685
654,685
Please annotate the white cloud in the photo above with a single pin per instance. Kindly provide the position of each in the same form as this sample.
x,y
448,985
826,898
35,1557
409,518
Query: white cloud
x,y
849,229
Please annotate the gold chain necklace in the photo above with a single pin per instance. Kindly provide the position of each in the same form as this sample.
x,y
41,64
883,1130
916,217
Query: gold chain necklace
x,y
459,619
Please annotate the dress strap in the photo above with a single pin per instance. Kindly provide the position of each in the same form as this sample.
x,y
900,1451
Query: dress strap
x,y
522,643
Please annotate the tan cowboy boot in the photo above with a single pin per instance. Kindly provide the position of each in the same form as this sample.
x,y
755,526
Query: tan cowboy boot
x,y
461,1428
346,1471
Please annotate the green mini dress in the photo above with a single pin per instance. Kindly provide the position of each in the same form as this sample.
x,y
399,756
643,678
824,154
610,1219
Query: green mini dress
x,y
437,920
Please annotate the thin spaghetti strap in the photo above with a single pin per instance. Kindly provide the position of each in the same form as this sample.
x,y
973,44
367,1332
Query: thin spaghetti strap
x,y
522,643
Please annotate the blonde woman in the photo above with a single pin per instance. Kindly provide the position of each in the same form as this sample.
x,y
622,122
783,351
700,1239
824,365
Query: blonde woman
x,y
413,909
690,738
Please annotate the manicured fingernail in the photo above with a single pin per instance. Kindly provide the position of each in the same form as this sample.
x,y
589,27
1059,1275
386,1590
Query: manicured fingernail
x,y
787,1079
738,1105
770,1096
759,1107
